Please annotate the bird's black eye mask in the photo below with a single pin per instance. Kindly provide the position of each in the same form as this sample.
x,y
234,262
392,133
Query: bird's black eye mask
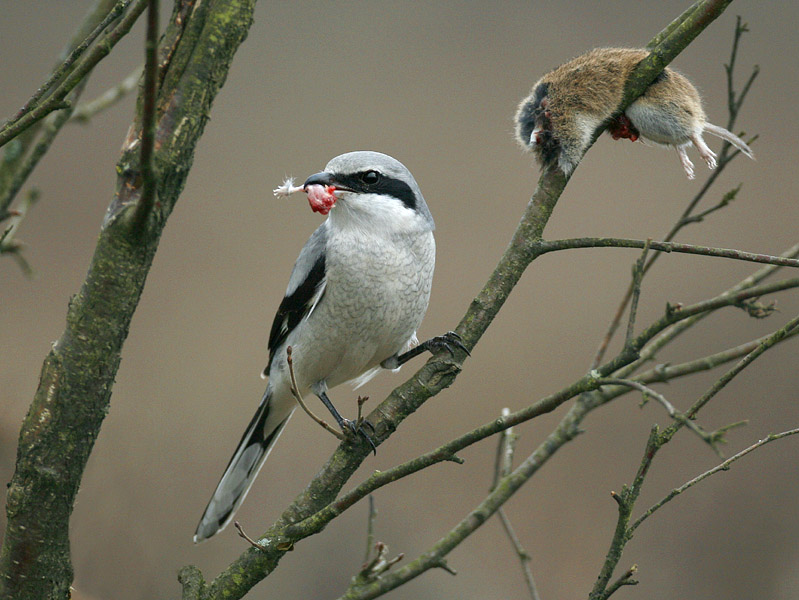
x,y
372,181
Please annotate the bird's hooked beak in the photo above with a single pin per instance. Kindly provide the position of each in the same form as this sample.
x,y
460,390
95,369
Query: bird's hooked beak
x,y
321,189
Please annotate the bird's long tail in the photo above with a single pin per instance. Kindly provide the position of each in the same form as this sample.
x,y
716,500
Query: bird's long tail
x,y
261,434
731,138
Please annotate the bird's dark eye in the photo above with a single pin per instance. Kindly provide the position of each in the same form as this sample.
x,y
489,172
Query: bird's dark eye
x,y
370,177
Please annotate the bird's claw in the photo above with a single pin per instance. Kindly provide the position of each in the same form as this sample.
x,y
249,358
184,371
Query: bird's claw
x,y
355,429
449,341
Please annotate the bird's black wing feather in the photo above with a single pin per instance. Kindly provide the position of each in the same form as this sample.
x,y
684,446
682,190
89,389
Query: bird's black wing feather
x,y
307,285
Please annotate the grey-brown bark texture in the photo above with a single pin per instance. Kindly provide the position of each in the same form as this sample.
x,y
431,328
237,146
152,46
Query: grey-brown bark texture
x,y
78,374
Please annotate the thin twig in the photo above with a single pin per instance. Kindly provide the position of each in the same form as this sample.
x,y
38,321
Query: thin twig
x,y
373,569
149,188
503,468
638,275
85,111
668,372
625,501
545,246
244,535
656,441
676,415
65,66
9,245
724,466
524,557
672,332
721,383
295,391
625,579
370,532
55,100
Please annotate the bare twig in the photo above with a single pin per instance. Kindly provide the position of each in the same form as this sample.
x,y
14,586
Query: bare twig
x,y
711,438
545,246
724,466
625,501
85,111
21,157
656,441
65,66
503,468
8,243
789,328
149,183
374,568
370,531
625,579
55,100
295,391
675,330
244,535
638,275
668,372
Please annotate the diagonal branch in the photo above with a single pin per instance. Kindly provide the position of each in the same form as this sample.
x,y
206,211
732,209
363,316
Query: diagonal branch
x,y
73,56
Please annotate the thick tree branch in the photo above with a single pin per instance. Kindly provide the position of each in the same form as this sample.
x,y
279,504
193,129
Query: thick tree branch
x,y
77,376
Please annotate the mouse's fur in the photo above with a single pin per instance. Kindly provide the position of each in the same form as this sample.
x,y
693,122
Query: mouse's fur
x,y
557,120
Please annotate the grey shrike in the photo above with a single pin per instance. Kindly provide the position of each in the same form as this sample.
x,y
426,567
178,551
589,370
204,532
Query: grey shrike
x,y
356,296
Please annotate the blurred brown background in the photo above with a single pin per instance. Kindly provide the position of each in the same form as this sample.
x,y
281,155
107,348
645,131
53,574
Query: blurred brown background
x,y
434,85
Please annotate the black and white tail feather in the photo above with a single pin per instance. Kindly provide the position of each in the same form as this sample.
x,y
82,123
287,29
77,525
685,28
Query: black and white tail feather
x,y
255,445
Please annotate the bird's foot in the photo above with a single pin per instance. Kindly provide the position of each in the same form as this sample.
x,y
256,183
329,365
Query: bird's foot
x,y
449,341
357,428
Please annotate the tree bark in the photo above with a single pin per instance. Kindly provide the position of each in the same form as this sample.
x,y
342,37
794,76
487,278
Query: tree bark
x,y
77,377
